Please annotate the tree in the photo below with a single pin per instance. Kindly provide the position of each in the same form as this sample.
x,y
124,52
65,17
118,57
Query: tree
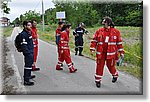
x,y
77,12
91,13
4,6
16,21
30,15
123,14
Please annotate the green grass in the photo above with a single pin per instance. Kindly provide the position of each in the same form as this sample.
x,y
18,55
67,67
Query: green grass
x,y
131,42
7,31
133,70
134,54
130,32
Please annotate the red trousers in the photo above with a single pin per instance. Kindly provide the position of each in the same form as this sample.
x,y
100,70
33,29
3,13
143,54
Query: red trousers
x,y
65,56
110,63
58,51
35,53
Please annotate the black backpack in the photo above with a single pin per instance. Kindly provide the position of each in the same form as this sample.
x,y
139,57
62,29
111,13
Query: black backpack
x,y
17,42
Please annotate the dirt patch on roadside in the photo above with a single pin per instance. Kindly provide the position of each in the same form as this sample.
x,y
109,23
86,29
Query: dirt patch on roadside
x,y
7,71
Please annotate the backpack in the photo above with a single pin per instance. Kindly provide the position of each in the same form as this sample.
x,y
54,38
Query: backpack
x,y
17,42
57,39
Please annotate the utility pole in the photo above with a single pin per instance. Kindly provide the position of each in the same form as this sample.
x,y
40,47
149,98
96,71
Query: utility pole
x,y
43,15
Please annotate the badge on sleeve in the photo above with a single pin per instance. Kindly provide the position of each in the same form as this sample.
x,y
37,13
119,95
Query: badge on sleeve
x,y
115,37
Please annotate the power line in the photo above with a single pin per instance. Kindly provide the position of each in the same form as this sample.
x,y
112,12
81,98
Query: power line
x,y
37,5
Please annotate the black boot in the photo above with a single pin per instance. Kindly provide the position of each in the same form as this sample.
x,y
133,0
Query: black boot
x,y
27,77
114,79
98,84
76,51
33,76
29,83
80,51
81,54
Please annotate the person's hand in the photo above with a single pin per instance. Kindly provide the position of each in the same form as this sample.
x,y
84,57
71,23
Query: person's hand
x,y
61,51
76,35
37,36
122,55
92,53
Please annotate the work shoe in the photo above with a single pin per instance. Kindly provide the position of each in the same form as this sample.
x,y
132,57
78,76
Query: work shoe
x,y
58,67
98,84
76,53
32,76
72,69
81,55
28,83
114,79
35,69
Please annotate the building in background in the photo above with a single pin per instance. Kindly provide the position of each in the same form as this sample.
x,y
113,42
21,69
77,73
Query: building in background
x,y
4,21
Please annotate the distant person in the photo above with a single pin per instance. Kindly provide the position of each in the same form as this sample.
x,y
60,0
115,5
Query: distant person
x,y
107,42
28,50
65,50
58,32
78,33
35,43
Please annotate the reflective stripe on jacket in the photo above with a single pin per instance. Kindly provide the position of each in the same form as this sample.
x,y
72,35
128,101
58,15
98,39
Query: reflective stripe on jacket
x,y
114,43
64,40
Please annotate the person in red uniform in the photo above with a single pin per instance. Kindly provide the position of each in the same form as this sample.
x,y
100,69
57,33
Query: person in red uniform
x,y
58,32
65,50
35,42
108,43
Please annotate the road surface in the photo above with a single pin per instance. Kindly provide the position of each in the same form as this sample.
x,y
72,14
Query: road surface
x,y
50,81
1,80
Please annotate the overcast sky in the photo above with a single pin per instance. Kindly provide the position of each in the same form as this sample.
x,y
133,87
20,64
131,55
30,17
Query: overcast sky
x,y
19,7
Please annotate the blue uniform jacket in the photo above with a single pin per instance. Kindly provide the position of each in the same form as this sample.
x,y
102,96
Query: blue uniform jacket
x,y
27,42
80,32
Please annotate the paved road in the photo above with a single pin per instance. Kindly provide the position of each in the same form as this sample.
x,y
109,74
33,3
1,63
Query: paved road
x,y
1,81
50,81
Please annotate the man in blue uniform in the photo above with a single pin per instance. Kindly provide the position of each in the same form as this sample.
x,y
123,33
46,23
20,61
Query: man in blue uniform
x,y
27,50
78,33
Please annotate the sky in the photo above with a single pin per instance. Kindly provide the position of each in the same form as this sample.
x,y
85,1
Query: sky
x,y
19,7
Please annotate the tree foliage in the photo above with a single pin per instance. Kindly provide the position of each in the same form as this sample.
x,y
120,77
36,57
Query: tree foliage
x,y
4,6
92,13
30,15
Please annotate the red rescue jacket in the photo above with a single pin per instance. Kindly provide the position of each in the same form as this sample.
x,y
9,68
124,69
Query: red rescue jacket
x,y
58,31
34,36
64,40
113,46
